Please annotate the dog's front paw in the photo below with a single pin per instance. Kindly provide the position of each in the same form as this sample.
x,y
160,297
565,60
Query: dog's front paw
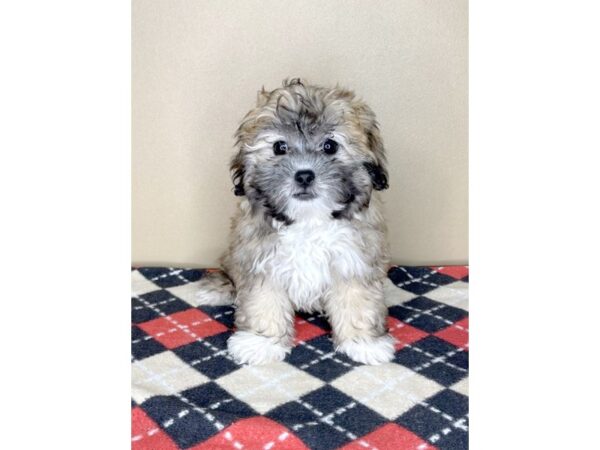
x,y
369,350
250,348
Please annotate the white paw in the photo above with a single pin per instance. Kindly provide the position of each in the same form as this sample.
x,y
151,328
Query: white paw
x,y
250,348
369,350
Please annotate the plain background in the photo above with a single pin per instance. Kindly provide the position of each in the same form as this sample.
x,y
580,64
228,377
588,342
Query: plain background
x,y
534,240
197,66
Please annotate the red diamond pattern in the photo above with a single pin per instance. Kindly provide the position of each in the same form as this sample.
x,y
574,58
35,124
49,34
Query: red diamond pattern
x,y
390,437
306,331
253,433
182,328
146,434
457,334
404,333
457,272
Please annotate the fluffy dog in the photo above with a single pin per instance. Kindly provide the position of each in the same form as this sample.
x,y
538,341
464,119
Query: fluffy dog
x,y
309,234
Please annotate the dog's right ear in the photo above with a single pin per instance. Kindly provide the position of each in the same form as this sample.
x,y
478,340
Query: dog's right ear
x,y
237,175
243,136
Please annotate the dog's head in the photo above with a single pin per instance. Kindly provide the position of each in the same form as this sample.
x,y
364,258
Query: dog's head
x,y
307,150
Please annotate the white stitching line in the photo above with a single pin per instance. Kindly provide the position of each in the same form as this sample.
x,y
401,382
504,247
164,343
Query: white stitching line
x,y
428,312
208,416
163,302
282,437
172,272
420,312
326,419
270,382
323,356
394,385
418,280
183,328
445,431
430,355
172,330
441,359
230,438
434,359
180,415
342,410
181,368
216,351
177,273
195,407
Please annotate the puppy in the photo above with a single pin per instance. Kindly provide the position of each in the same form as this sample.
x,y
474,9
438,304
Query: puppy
x,y
309,234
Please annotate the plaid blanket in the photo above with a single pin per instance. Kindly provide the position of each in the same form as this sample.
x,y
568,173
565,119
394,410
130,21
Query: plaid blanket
x,y
187,393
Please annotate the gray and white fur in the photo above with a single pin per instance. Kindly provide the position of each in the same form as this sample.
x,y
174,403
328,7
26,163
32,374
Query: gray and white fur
x,y
308,234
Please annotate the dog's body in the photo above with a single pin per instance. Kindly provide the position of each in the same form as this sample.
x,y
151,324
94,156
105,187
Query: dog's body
x,y
309,234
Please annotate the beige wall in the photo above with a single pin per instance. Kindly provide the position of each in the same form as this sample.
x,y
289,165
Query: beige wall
x,y
197,66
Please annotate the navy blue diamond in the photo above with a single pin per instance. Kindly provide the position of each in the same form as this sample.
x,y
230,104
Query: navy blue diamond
x,y
450,402
418,280
427,323
141,313
163,301
411,358
460,359
432,426
356,419
167,277
447,312
223,314
423,421
420,356
143,345
423,304
457,439
443,374
185,431
401,313
303,356
221,403
195,426
435,346
203,359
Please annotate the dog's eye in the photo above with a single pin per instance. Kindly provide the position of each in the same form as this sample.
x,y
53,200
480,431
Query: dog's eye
x,y
280,147
330,146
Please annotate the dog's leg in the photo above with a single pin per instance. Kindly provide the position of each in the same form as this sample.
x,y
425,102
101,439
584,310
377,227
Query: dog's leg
x,y
265,324
357,314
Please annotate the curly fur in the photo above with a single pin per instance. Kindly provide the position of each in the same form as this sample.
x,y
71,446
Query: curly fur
x,y
320,247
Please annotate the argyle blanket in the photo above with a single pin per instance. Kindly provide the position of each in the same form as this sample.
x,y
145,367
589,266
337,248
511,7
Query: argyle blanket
x,y
187,393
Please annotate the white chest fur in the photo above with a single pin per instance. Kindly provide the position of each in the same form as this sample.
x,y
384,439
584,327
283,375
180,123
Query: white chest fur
x,y
309,255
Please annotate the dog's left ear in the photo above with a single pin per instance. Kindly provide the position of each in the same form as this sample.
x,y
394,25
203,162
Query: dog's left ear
x,y
377,169
237,174
376,163
378,176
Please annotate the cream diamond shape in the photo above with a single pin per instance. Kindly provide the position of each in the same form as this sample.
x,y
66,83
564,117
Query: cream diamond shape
x,y
462,387
389,389
394,295
141,285
454,294
266,387
162,374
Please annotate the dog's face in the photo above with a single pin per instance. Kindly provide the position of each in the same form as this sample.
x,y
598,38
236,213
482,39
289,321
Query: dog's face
x,y
306,151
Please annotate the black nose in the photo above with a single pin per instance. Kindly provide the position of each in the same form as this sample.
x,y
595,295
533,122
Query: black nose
x,y
304,177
